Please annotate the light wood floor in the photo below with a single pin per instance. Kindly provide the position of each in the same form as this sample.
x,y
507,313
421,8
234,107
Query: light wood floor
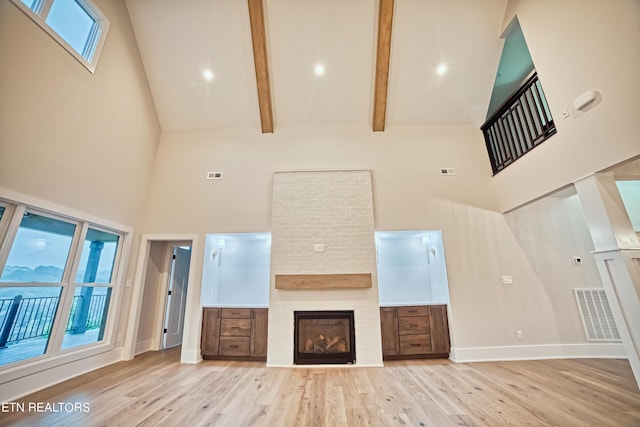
x,y
156,390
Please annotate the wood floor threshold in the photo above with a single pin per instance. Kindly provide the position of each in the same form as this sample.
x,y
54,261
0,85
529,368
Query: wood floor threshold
x,y
154,389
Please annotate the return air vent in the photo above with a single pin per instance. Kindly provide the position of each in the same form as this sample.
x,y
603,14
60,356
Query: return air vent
x,y
597,318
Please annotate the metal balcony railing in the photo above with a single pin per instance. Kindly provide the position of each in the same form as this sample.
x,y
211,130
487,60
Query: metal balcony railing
x,y
520,124
25,318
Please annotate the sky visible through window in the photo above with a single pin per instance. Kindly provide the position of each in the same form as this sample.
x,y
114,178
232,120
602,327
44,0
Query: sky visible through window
x,y
34,250
71,22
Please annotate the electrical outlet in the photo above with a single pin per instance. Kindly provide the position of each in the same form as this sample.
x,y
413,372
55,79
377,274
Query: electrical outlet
x,y
519,334
318,247
577,260
507,280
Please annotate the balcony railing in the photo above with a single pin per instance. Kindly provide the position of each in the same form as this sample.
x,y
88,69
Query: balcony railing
x,y
520,124
25,318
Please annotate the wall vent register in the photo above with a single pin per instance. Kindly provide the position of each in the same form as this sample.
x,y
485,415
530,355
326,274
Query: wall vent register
x,y
596,315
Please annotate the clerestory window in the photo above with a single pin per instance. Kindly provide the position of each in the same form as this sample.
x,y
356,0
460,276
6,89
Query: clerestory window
x,y
77,25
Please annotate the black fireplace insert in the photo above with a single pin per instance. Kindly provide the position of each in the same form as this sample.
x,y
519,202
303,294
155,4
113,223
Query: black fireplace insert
x,y
324,337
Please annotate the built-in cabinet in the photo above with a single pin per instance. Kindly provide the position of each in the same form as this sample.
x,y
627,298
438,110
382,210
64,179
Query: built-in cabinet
x,y
237,333
414,331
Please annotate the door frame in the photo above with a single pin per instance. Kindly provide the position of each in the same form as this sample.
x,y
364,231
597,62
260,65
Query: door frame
x,y
191,329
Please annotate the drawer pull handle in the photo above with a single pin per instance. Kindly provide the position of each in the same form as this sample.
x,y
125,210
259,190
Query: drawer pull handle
x,y
413,311
234,327
414,326
233,346
415,345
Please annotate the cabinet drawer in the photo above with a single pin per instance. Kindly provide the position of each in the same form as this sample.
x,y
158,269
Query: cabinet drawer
x,y
415,344
416,310
234,346
235,327
413,325
236,313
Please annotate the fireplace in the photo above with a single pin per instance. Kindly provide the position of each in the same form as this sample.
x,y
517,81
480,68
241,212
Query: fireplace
x,y
324,337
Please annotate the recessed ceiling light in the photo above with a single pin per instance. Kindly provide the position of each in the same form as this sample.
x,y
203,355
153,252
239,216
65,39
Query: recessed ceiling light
x,y
442,69
208,75
319,70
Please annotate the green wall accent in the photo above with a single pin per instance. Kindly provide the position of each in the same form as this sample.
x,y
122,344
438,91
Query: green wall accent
x,y
515,65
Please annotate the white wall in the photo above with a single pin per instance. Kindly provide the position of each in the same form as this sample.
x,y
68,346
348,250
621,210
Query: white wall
x,y
82,141
408,271
577,46
238,274
408,194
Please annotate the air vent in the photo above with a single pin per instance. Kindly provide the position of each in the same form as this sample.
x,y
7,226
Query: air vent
x,y
597,318
214,175
447,171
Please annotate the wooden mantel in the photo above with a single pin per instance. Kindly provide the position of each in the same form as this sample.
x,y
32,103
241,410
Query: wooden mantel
x,y
314,282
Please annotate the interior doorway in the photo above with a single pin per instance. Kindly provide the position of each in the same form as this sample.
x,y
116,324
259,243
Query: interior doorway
x,y
164,272
176,295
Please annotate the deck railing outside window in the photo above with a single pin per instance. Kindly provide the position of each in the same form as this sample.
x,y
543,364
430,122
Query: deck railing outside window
x,y
25,318
522,123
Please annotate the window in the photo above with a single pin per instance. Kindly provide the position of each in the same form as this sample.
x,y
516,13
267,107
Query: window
x,y
77,25
87,318
56,283
39,254
40,250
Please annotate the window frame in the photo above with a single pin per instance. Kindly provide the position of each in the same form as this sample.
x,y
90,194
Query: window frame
x,y
72,285
96,39
54,353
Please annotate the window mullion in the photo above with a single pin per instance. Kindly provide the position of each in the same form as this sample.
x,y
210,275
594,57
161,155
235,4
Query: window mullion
x,y
68,290
60,322
42,8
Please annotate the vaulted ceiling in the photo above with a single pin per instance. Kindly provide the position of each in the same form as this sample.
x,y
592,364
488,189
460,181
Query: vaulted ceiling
x,y
180,39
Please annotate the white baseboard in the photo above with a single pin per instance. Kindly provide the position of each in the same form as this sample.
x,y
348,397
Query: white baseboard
x,y
37,381
534,352
190,356
143,346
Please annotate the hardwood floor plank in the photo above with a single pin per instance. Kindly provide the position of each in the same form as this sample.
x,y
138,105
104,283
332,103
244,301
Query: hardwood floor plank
x,y
156,390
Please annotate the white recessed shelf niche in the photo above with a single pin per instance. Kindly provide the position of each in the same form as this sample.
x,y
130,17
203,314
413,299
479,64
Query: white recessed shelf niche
x,y
411,268
236,270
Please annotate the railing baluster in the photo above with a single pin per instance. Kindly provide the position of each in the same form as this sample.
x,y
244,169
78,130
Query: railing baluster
x,y
491,147
525,128
503,143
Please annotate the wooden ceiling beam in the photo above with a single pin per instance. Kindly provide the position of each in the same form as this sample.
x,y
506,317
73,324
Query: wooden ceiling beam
x,y
259,39
385,19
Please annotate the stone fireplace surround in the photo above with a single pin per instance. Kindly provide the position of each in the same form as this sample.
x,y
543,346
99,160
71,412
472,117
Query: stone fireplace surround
x,y
335,209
